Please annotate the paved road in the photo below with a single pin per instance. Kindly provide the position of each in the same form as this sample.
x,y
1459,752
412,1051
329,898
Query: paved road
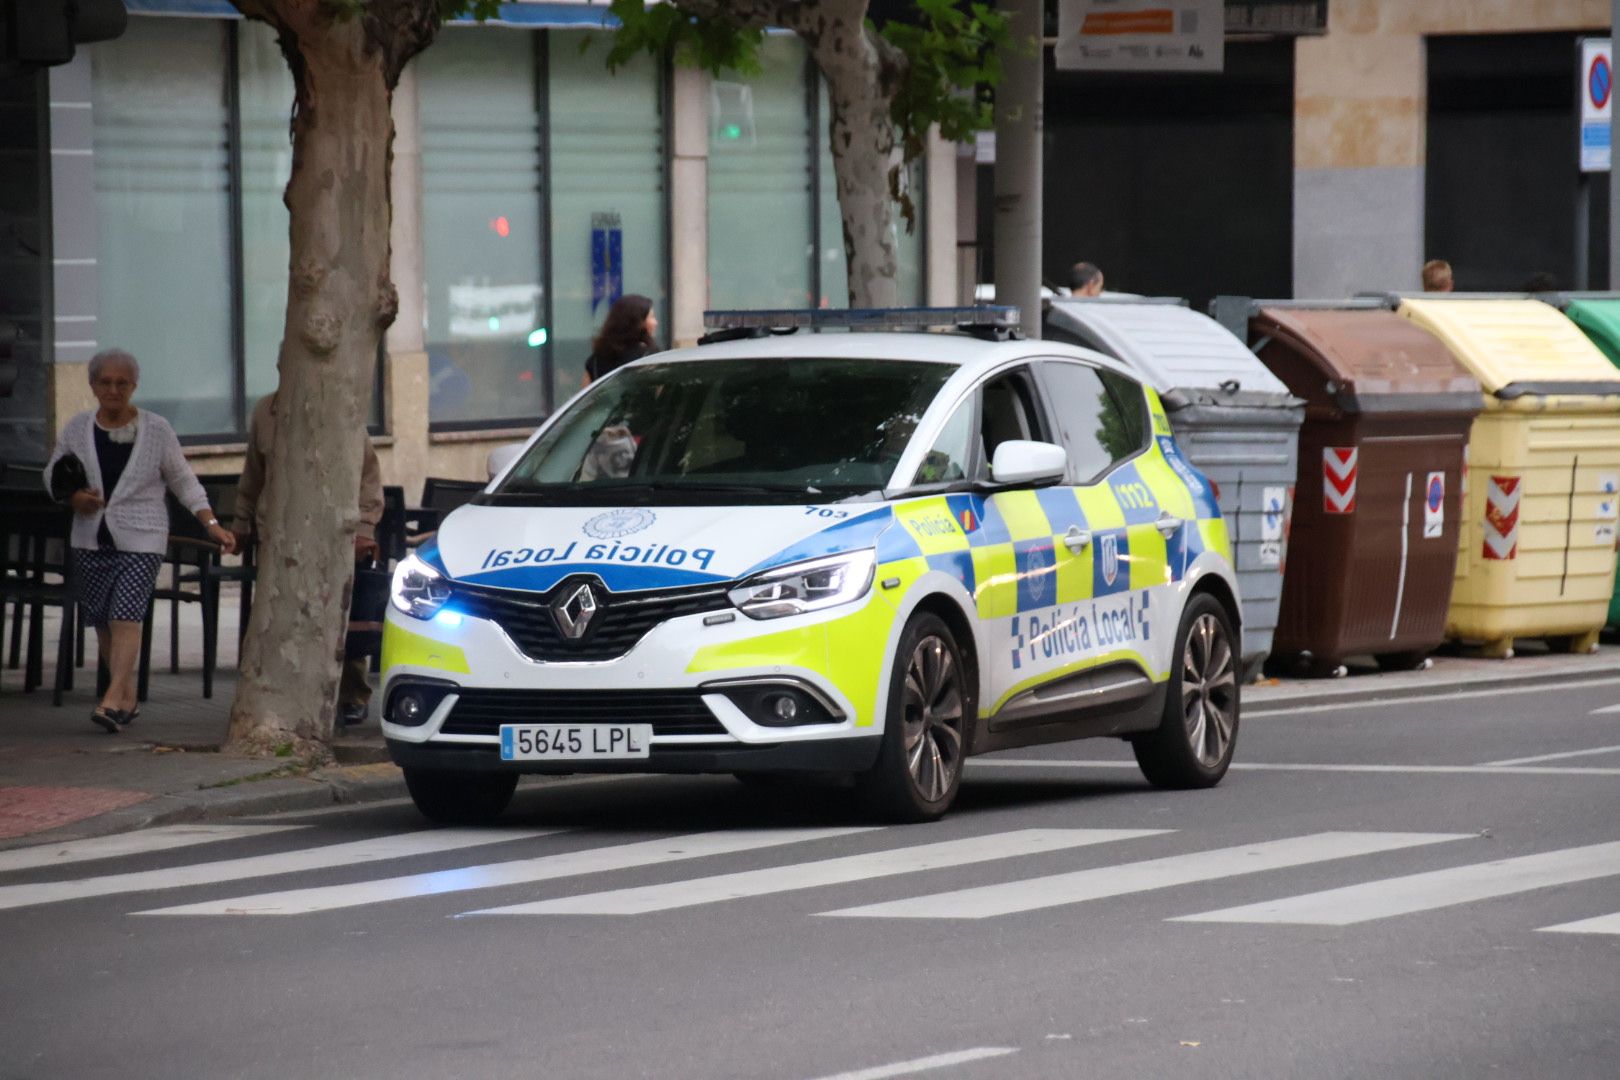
x,y
1428,889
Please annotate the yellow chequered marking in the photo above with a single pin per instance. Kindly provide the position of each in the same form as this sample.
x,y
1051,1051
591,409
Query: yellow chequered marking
x,y
402,648
1101,508
932,525
1169,490
1022,513
995,570
1213,530
1149,557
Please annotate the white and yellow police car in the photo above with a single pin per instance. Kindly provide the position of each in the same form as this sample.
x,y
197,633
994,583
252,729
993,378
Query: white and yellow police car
x,y
867,553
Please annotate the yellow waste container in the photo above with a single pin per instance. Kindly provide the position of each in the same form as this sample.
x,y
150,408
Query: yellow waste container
x,y
1537,555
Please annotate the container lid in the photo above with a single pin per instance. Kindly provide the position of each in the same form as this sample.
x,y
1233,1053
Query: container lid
x,y
1600,319
1517,347
1175,349
1379,361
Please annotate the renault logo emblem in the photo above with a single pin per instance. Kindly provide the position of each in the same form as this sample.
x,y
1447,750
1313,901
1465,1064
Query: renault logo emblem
x,y
573,611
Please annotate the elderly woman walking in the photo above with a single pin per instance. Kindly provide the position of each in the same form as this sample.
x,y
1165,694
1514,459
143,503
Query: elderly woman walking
x,y
120,524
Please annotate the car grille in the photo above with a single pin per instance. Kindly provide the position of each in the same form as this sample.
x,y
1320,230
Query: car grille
x,y
620,620
670,712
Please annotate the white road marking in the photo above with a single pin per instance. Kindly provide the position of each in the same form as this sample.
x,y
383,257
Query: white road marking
x,y
1555,757
776,879
917,1065
376,849
1427,891
1603,924
518,872
162,838
1263,707
1033,894
1257,766
1605,710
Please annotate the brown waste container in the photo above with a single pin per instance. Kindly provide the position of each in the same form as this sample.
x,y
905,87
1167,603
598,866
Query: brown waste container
x,y
1377,506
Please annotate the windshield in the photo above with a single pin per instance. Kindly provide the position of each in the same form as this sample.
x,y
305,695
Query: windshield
x,y
730,431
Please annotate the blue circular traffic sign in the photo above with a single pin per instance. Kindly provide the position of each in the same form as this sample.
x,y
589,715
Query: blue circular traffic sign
x,y
1599,82
1436,493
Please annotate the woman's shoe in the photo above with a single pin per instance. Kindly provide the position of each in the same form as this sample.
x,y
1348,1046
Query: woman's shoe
x,y
126,717
106,719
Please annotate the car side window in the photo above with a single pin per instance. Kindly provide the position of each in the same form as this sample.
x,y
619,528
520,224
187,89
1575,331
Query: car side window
x,y
1133,409
1096,431
1009,411
951,457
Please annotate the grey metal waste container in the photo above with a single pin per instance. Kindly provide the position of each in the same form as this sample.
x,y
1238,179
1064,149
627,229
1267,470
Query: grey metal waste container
x,y
1234,419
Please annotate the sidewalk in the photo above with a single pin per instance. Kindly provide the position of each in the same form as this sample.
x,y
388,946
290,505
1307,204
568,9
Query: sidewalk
x,y
61,777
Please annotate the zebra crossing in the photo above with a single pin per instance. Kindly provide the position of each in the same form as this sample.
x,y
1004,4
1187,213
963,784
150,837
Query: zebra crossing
x,y
698,870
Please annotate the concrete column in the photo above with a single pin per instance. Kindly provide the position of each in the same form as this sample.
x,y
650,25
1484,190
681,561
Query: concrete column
x,y
939,189
71,338
405,367
689,205
1019,124
1360,110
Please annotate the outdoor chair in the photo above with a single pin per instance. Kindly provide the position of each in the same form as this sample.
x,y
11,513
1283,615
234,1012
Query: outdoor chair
x,y
36,573
196,572
439,497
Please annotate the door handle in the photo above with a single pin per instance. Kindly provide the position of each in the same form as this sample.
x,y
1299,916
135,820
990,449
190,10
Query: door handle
x,y
1076,539
1168,524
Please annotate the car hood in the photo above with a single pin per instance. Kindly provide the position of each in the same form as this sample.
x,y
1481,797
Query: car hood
x,y
638,548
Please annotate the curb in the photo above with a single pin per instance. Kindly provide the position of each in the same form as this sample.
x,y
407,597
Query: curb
x,y
1276,698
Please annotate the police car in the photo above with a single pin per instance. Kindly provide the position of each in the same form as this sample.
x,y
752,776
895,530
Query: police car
x,y
864,553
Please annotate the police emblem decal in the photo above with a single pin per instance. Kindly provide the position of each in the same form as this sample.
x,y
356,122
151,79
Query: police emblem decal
x,y
1108,545
616,523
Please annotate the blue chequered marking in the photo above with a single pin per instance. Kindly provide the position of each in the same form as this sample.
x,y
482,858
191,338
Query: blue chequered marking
x,y
988,526
1199,485
852,535
1062,507
1110,562
896,543
1184,546
1136,500
958,564
1037,573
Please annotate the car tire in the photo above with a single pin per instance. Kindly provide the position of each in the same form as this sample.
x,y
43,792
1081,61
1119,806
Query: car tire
x,y
931,707
1192,746
460,798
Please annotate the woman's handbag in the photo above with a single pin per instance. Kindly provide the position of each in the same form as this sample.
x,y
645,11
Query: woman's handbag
x,y
67,477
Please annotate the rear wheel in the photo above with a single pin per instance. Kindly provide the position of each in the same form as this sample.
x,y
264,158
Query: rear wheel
x,y
1192,746
460,798
919,767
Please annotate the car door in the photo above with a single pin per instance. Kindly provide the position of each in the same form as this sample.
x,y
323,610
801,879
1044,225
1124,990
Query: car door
x,y
1129,522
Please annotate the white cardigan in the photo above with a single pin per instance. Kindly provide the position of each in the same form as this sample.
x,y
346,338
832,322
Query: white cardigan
x,y
135,513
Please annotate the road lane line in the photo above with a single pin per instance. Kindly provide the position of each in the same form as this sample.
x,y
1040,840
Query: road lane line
x,y
376,849
917,1065
1428,891
1257,766
162,838
1554,757
1605,710
1603,924
517,872
1282,708
1056,890
777,879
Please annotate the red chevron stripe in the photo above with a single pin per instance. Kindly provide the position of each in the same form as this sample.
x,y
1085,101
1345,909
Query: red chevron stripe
x,y
1503,523
1343,487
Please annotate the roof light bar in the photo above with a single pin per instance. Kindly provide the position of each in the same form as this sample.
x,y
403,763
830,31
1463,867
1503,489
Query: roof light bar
x,y
914,318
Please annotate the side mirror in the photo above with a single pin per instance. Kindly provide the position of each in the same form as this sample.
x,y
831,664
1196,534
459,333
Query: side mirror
x,y
501,457
1021,461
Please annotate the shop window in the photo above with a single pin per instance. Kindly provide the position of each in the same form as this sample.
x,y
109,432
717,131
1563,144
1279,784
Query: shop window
x,y
483,243
608,193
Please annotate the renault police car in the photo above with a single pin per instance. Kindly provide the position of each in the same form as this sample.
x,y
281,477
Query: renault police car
x,y
867,553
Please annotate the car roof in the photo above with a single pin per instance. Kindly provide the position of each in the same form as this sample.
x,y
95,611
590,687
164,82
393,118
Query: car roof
x,y
961,350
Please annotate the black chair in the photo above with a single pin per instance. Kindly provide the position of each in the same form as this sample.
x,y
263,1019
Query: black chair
x,y
196,571
439,497
391,528
36,572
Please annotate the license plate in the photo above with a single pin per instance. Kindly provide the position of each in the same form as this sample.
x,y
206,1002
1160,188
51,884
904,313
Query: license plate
x,y
574,742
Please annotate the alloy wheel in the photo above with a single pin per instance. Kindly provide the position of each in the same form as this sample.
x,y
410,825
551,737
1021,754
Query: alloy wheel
x,y
931,712
1208,690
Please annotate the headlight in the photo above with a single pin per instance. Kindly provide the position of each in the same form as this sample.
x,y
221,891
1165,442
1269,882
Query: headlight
x,y
806,586
418,590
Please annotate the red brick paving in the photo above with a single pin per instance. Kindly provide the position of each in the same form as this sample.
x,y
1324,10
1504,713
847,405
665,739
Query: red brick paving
x,y
25,810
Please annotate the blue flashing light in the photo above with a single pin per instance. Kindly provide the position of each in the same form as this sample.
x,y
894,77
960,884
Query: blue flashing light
x,y
911,318
538,337
494,322
448,618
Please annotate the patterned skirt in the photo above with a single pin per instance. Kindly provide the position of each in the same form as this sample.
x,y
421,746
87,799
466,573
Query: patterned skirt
x,y
115,584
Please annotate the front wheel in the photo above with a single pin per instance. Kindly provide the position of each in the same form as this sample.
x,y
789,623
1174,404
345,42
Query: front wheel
x,y
1192,746
931,704
460,798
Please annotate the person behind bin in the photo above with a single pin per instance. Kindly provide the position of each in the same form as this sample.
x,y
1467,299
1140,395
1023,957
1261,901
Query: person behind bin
x,y
1085,279
354,691
1437,276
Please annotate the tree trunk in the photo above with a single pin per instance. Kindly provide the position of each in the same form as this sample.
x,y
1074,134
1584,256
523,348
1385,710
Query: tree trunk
x,y
339,303
865,156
